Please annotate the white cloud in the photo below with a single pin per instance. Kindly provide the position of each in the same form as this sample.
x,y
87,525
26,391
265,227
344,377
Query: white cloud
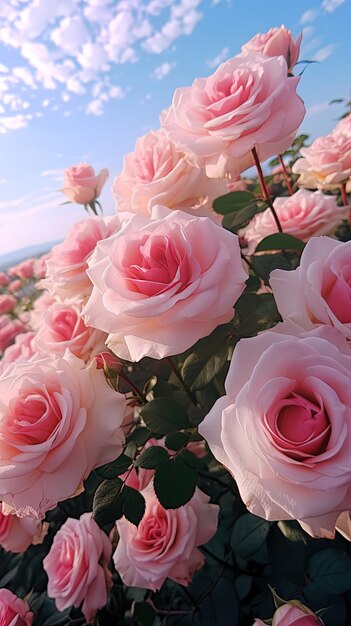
x,y
331,5
324,53
317,108
13,122
95,107
219,58
117,92
52,173
162,70
309,16
71,34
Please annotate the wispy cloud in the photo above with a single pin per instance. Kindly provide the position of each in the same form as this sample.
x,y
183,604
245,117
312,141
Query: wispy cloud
x,y
331,5
162,70
219,58
319,107
309,16
324,53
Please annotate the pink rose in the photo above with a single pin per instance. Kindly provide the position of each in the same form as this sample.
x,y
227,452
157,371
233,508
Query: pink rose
x,y
40,265
58,421
161,283
293,615
283,429
326,163
18,533
304,214
15,285
62,328
81,185
165,544
4,279
40,305
66,268
25,269
276,42
344,126
7,303
8,330
21,349
157,173
13,610
319,290
77,566
249,102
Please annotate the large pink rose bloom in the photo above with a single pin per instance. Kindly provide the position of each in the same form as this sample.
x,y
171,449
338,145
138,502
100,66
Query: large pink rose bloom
x,y
292,615
81,184
161,283
165,544
77,566
62,328
304,214
283,429
18,533
58,421
13,610
66,267
249,102
275,42
326,163
157,173
319,290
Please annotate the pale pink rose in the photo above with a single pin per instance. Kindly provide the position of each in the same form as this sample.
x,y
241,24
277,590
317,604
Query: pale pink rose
x,y
326,163
66,268
25,269
21,349
161,283
165,544
40,305
9,328
293,615
7,303
58,421
40,265
81,184
62,328
304,214
15,285
157,173
18,533
249,102
344,126
276,42
4,279
77,566
283,429
319,290
13,610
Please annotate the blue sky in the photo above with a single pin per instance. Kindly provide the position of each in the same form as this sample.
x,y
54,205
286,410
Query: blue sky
x,y
82,79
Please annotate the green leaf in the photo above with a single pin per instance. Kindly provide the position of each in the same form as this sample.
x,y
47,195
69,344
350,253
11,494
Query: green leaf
x,y
292,531
174,441
163,416
133,505
152,457
143,613
330,571
174,483
265,264
140,436
233,201
234,221
200,367
249,535
107,505
111,470
280,241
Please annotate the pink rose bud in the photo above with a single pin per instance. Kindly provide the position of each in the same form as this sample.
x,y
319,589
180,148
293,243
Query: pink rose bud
x,y
7,303
15,285
13,610
293,615
81,185
107,360
276,42
82,577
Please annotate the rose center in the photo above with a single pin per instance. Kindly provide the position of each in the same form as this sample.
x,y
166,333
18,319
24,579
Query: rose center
x,y
32,418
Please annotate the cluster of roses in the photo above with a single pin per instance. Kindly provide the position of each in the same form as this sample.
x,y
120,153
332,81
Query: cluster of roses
x,y
150,282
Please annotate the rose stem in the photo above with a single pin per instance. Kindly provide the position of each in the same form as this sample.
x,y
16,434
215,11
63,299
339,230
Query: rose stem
x,y
286,175
344,197
265,191
132,386
182,382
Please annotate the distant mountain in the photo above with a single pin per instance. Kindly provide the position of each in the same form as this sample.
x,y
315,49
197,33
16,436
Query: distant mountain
x,y
12,258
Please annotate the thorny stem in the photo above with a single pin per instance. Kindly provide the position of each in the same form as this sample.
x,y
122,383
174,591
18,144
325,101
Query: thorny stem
x,y
132,386
286,174
264,188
